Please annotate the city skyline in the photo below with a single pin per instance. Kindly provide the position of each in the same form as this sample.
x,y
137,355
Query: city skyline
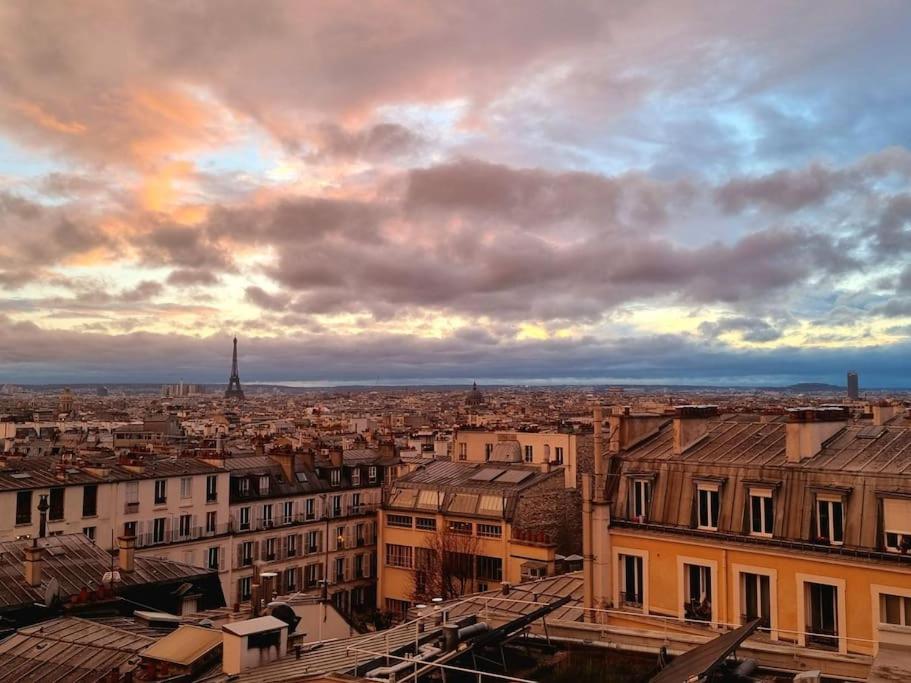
x,y
658,193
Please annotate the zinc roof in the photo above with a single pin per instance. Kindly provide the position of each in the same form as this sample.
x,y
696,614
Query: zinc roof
x,y
185,645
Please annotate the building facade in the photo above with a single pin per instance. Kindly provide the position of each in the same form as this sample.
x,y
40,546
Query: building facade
x,y
802,522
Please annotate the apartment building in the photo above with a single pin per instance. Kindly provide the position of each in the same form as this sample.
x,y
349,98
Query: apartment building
x,y
310,521
572,452
452,528
158,501
801,521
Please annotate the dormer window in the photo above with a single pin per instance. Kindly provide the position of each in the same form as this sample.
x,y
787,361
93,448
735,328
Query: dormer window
x,y
371,474
243,486
264,484
830,519
640,497
762,515
897,525
335,477
707,499
356,476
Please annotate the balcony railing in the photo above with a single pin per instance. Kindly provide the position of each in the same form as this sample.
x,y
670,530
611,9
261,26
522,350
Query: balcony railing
x,y
697,611
630,599
175,536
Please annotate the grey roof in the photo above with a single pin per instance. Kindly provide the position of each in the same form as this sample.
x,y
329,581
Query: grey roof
x,y
76,563
444,475
69,649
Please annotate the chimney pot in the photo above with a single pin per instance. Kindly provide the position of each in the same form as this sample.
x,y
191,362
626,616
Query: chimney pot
x,y
33,564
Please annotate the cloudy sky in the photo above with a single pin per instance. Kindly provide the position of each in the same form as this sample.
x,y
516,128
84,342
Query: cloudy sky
x,y
570,191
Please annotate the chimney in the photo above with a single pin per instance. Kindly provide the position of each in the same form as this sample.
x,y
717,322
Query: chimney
x,y
267,583
691,425
253,643
306,460
288,462
628,429
336,457
809,428
33,563
883,411
126,557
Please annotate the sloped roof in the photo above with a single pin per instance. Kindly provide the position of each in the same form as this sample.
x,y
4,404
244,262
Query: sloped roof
x,y
75,562
69,649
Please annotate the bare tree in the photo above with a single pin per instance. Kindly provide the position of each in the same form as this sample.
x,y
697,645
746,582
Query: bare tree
x,y
445,566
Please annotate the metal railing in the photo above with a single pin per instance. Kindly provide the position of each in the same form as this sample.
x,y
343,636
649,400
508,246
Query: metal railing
x,y
175,536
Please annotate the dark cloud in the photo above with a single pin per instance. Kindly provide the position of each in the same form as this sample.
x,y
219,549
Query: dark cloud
x,y
192,276
750,329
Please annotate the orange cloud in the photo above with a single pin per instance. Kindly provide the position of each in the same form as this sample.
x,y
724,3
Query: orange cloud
x,y
36,114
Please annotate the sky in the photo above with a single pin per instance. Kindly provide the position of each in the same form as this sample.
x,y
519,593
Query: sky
x,y
666,192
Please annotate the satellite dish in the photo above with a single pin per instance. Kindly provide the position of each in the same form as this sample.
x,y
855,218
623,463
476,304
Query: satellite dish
x,y
51,592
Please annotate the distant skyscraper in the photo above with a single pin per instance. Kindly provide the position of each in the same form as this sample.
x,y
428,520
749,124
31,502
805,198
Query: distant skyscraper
x,y
853,386
234,390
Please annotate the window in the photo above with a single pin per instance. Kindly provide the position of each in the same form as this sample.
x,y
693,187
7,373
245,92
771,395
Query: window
x,y
822,607
463,451
631,580
211,522
264,484
762,516
291,545
288,512
132,493
270,549
359,534
640,497
244,518
425,524
310,509
186,487
184,525
371,473
894,609
358,566
698,592
755,599
211,488
246,553
339,569
312,541
158,529
488,451
55,513
267,515
336,506
23,507
312,574
90,500
89,532
243,486
830,520
212,559
244,588
897,525
129,529
490,530
460,528
398,555
335,477
490,568
401,520
161,491
708,507
291,579
356,476
340,538
355,503
398,608
529,453
558,454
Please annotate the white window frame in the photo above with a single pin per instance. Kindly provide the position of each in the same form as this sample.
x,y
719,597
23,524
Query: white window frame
x,y
186,488
640,493
764,524
708,489
737,570
682,585
831,500
840,585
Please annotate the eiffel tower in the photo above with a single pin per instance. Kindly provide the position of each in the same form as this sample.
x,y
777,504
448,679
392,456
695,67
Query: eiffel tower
x,y
234,390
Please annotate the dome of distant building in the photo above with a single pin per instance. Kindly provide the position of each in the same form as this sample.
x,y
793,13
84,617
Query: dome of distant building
x,y
475,397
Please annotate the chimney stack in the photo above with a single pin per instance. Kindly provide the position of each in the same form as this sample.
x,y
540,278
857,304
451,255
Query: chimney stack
x,y
288,461
126,557
336,457
809,428
33,563
883,411
628,429
691,425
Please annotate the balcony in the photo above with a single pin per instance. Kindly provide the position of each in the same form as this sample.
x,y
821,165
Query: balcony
x,y
175,536
628,599
697,611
